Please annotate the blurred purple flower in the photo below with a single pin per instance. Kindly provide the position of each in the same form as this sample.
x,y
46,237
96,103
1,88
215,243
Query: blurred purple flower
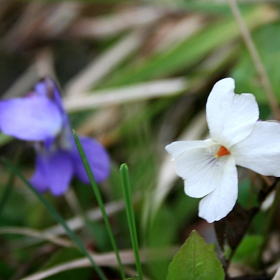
x,y
40,117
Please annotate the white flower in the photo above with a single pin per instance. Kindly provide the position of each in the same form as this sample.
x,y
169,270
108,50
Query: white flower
x,y
236,138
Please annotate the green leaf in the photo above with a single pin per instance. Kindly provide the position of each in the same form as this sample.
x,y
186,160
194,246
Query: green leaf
x,y
195,260
133,278
247,252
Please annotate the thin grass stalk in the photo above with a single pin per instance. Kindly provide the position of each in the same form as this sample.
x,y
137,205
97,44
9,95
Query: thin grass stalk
x,y
99,200
56,216
271,97
130,216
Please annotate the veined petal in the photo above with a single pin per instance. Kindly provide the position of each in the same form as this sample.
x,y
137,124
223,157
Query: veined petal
x,y
260,151
220,202
53,171
31,118
97,157
201,171
231,117
179,147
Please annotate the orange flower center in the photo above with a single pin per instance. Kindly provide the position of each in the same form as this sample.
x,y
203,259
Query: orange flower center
x,y
223,151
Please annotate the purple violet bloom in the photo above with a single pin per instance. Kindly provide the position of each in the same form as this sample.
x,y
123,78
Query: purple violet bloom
x,y
40,117
32,118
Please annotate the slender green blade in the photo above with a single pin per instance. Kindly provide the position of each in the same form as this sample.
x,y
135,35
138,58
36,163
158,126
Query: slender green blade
x,y
99,200
130,216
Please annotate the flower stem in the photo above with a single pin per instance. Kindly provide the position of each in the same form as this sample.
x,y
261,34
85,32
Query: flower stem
x,y
256,59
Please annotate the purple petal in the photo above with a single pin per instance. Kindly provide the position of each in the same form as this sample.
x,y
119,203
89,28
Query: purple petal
x,y
97,157
48,88
38,179
54,171
31,118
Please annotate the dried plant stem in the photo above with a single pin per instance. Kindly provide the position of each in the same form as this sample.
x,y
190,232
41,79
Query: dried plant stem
x,y
141,91
37,234
77,222
105,259
255,58
104,64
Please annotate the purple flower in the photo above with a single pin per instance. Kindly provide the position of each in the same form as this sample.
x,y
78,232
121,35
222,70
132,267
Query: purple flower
x,y
40,117
33,118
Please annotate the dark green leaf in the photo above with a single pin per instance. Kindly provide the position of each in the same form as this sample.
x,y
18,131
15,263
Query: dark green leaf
x,y
195,260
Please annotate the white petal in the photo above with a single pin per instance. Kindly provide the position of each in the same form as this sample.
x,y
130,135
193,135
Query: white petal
x,y
201,171
178,147
230,116
220,202
260,151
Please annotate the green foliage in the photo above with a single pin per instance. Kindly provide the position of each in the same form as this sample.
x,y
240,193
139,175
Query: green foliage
x,y
247,195
4,139
5,270
184,56
195,260
63,256
245,73
55,215
247,251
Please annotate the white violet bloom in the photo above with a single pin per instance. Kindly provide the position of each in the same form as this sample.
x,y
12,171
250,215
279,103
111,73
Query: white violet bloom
x,y
208,167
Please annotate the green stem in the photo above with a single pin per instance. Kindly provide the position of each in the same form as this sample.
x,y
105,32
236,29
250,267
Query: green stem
x,y
130,217
99,200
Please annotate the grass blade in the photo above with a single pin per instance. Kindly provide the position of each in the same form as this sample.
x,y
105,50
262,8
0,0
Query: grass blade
x,y
56,216
99,200
130,216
